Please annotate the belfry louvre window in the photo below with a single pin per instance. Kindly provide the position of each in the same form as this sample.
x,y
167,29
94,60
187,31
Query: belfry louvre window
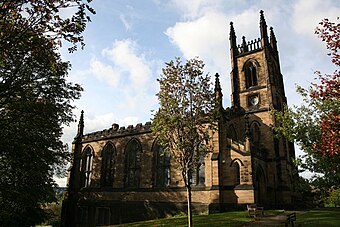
x,y
250,74
108,162
133,152
162,177
86,167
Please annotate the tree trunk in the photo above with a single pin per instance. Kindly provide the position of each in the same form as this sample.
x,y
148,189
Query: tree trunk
x,y
190,224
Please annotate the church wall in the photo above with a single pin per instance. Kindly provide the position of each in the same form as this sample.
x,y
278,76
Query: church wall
x,y
112,197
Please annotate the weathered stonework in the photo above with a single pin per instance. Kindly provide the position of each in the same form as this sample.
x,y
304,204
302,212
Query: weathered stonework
x,y
247,165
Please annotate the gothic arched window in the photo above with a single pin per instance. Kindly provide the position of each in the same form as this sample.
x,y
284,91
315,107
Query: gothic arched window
x,y
133,152
232,132
108,162
237,173
86,167
235,166
162,174
197,175
250,71
255,135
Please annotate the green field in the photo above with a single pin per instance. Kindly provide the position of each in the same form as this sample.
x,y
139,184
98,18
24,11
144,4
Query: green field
x,y
322,217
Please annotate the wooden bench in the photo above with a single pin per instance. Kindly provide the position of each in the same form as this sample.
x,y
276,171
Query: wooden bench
x,y
254,210
290,219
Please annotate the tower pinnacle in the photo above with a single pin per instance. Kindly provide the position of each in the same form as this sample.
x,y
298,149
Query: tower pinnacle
x,y
80,126
273,41
263,29
218,91
232,36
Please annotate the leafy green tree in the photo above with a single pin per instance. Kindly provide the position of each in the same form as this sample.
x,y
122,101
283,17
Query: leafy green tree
x,y
185,119
334,197
35,101
315,125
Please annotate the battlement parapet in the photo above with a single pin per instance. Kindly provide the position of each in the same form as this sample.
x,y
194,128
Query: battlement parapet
x,y
249,46
116,131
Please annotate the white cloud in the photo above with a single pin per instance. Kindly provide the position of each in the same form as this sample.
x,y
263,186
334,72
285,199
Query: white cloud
x,y
307,14
205,38
196,8
105,72
126,59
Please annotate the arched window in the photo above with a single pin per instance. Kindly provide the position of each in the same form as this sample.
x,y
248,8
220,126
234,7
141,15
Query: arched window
x,y
162,174
133,152
236,171
255,133
108,162
250,74
232,132
236,168
260,186
197,176
86,167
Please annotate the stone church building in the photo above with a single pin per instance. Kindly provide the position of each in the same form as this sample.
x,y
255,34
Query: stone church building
x,y
119,174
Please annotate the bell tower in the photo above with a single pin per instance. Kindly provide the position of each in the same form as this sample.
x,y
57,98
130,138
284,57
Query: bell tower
x,y
256,77
257,88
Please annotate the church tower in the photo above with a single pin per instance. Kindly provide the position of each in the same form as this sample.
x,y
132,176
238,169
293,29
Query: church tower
x,y
257,88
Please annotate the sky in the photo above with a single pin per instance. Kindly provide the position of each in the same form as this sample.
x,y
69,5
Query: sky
x,y
129,41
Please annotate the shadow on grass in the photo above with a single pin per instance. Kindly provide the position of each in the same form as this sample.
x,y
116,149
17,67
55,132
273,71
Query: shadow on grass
x,y
237,218
320,217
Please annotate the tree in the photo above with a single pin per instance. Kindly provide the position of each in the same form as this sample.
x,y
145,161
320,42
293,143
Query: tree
x,y
315,125
35,101
334,197
185,119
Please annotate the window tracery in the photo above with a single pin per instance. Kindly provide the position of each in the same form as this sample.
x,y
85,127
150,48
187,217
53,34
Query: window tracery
x,y
132,163
86,167
108,162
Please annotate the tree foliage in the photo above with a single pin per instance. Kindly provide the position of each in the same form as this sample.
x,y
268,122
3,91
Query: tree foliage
x,y
315,125
185,118
35,101
334,197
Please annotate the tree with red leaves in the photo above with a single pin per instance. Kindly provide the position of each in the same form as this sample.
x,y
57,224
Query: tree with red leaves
x,y
315,125
328,91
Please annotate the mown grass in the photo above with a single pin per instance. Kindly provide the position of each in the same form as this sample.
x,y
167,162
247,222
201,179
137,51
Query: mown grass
x,y
236,218
321,217
317,218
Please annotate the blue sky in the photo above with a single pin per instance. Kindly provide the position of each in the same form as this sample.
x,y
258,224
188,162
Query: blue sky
x,y
128,42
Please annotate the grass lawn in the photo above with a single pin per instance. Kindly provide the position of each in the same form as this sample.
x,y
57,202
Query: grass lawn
x,y
236,218
318,218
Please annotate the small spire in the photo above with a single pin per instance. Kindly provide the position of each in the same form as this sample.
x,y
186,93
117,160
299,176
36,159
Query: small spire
x,y
232,39
263,29
262,20
80,125
232,32
218,91
273,39
244,44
